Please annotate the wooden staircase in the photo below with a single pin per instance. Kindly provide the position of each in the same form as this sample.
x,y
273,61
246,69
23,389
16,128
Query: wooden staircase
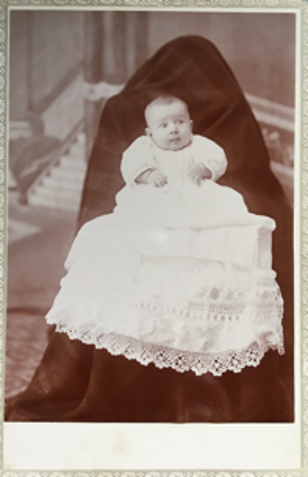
x,y
60,186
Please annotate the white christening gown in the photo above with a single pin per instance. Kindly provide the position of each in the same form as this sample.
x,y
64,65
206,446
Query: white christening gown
x,y
178,276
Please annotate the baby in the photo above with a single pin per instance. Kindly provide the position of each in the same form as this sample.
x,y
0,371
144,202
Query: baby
x,y
182,168
179,275
170,127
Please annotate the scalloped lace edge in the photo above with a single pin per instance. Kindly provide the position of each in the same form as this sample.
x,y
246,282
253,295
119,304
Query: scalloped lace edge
x,y
166,357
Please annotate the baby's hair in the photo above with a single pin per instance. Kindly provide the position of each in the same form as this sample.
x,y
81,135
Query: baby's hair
x,y
163,99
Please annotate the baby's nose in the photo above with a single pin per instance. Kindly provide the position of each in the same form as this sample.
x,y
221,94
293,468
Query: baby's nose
x,y
174,128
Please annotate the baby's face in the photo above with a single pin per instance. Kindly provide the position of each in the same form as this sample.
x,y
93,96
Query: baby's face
x,y
169,125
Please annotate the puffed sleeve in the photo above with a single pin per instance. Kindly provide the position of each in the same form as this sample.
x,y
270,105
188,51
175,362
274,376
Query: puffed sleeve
x,y
211,155
138,158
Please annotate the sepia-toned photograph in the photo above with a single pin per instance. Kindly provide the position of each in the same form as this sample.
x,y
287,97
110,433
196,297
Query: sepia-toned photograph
x,y
150,269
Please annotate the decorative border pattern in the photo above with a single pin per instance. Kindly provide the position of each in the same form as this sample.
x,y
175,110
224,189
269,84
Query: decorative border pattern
x,y
299,5
160,473
304,232
3,30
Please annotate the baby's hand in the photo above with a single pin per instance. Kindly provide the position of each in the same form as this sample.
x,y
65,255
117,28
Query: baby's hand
x,y
153,177
198,172
157,179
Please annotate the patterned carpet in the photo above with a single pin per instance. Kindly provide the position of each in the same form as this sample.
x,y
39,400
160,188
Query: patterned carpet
x,y
39,240
27,337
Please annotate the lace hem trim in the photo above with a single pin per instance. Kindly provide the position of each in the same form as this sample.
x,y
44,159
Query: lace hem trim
x,y
165,357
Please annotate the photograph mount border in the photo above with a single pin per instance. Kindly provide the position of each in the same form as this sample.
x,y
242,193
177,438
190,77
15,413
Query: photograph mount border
x,y
299,6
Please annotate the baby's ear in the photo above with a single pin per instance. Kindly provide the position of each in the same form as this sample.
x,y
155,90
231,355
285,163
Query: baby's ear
x,y
147,132
191,124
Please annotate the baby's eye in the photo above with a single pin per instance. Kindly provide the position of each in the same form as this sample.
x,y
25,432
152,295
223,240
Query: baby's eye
x,y
163,125
180,121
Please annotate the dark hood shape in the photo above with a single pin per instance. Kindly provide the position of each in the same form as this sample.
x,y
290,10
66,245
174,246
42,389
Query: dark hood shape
x,y
192,69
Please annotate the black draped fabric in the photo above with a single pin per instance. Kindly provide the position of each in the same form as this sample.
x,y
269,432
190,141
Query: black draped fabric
x,y
76,382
